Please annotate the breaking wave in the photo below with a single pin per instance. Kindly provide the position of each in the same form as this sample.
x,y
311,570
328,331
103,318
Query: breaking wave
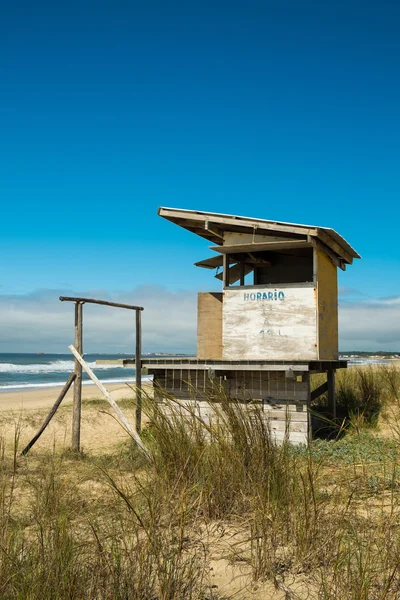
x,y
23,386
58,366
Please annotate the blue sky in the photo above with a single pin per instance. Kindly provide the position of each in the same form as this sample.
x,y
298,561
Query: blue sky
x,y
279,110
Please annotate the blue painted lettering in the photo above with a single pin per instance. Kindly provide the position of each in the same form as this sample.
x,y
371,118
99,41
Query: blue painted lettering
x,y
275,295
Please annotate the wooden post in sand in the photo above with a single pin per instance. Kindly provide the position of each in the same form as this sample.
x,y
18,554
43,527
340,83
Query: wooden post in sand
x,y
138,364
51,414
77,406
331,393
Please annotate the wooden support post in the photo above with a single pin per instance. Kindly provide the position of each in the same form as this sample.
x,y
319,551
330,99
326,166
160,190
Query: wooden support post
x,y
331,392
138,361
124,421
242,272
255,275
225,274
319,391
51,414
306,379
77,406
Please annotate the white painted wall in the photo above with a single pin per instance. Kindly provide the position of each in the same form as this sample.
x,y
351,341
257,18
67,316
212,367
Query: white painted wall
x,y
256,326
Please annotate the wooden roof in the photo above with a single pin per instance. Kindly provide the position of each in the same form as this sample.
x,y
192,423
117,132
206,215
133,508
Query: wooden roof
x,y
214,226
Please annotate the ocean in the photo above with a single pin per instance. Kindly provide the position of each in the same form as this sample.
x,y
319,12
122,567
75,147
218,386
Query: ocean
x,y
33,371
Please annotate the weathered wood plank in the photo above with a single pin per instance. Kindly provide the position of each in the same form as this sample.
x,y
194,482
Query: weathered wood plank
x,y
278,395
261,247
319,391
339,250
281,422
331,393
51,414
270,415
77,402
138,376
124,421
278,410
102,302
235,272
210,417
232,238
209,325
292,426
320,246
210,263
214,229
225,271
327,308
295,437
226,367
270,322
189,390
175,215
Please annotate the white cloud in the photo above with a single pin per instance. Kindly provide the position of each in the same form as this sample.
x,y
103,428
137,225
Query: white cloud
x,y
39,321
370,325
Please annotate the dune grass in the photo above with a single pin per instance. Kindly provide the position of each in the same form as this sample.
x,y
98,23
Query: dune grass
x,y
320,522
361,393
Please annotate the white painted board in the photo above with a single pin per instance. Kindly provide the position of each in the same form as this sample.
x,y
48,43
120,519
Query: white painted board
x,y
270,323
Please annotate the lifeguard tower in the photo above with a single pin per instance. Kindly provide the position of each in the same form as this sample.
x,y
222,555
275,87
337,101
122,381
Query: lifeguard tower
x,y
273,324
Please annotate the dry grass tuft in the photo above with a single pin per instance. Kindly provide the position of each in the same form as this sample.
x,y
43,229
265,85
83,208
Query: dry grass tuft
x,y
317,523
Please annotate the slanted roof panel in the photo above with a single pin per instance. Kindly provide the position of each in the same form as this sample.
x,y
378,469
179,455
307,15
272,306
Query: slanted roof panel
x,y
212,226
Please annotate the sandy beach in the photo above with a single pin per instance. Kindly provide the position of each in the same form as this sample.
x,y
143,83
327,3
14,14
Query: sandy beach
x,y
100,431
45,397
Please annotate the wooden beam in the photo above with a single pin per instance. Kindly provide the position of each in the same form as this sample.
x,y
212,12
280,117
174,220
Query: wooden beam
x,y
338,262
258,261
51,414
225,272
77,404
242,272
124,421
235,272
262,247
138,363
210,263
214,230
180,216
188,219
218,368
328,241
102,302
319,391
204,233
331,392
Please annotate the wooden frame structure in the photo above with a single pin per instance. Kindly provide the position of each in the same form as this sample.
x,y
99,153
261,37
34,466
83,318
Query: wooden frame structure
x,y
76,377
77,407
274,323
